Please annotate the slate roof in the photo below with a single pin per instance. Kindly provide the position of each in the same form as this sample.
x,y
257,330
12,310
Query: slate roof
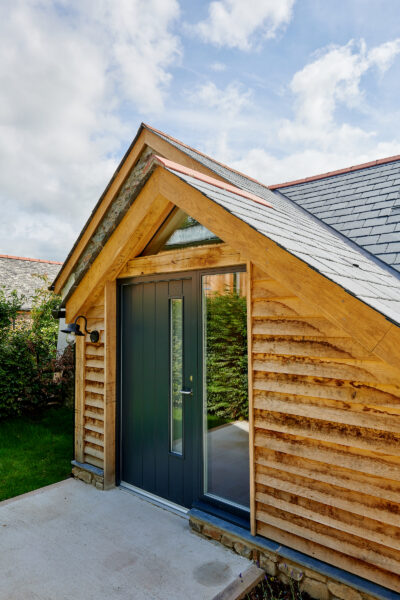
x,y
309,240
20,273
363,204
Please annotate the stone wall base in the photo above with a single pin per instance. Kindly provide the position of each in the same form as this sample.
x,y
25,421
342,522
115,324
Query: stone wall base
x,y
317,585
88,474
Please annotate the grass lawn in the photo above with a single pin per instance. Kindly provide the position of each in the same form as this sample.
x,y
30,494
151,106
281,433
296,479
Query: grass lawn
x,y
35,451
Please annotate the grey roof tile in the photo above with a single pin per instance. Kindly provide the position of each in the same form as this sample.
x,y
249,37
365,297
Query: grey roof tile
x,y
376,249
389,237
371,195
378,223
390,259
24,276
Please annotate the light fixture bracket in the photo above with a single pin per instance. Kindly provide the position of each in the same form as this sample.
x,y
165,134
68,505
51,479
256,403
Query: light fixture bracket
x,y
75,330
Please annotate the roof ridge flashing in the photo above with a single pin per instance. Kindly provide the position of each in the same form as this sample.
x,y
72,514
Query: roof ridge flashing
x,y
217,162
373,163
156,160
39,260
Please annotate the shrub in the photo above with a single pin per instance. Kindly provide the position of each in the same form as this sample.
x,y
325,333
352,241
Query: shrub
x,y
227,392
31,373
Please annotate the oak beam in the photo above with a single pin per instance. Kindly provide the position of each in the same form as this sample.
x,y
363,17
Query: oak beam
x,y
140,223
187,259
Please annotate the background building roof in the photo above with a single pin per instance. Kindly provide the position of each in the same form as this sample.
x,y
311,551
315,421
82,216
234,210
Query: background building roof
x,y
363,203
21,274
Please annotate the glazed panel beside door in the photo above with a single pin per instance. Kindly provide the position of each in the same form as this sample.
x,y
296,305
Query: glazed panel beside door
x,y
159,429
226,476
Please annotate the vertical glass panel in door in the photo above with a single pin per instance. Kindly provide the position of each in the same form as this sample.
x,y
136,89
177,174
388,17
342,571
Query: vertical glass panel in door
x,y
225,402
176,375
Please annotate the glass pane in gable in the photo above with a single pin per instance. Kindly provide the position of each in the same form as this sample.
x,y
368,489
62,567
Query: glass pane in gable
x,y
180,231
190,233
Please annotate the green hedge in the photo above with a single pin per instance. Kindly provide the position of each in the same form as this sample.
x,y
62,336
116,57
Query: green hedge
x,y
227,389
31,374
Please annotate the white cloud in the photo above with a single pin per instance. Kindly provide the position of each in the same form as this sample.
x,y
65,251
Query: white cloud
x,y
271,169
220,110
138,45
67,69
333,79
238,24
217,66
383,56
318,139
229,101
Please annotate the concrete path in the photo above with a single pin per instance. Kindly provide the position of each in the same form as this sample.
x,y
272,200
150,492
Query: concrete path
x,y
73,542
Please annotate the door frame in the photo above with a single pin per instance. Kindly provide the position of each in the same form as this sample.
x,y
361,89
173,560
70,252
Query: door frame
x,y
224,510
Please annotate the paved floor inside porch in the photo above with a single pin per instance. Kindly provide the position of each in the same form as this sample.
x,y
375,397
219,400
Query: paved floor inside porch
x,y
73,541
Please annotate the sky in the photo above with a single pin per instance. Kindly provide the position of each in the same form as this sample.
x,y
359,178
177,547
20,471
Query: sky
x,y
276,89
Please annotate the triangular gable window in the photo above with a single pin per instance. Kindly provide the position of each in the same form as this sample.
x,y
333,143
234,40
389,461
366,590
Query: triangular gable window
x,y
179,231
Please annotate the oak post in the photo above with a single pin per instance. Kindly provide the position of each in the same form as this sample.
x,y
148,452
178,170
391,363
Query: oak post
x,y
79,396
110,333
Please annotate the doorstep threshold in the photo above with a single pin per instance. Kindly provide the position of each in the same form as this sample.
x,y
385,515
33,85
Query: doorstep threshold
x,y
177,509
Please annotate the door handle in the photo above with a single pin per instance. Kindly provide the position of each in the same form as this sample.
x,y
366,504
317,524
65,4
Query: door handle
x,y
186,392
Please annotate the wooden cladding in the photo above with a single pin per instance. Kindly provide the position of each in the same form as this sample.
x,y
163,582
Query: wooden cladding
x,y
325,422
93,396
326,438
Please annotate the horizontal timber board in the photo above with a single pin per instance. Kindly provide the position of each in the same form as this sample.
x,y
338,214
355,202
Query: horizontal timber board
x,y
337,558
94,388
315,326
330,494
94,375
95,363
95,312
309,346
91,414
268,289
337,433
94,402
329,410
338,519
94,349
332,454
363,372
317,387
359,548
94,440
373,486
97,428
94,450
291,307
93,460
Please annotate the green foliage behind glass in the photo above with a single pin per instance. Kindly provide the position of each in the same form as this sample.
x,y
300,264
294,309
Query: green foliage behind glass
x,y
227,356
31,373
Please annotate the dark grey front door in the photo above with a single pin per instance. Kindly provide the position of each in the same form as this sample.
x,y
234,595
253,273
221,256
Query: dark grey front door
x,y
160,417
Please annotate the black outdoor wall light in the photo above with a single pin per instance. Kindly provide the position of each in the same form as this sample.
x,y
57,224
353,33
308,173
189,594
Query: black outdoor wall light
x,y
73,329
